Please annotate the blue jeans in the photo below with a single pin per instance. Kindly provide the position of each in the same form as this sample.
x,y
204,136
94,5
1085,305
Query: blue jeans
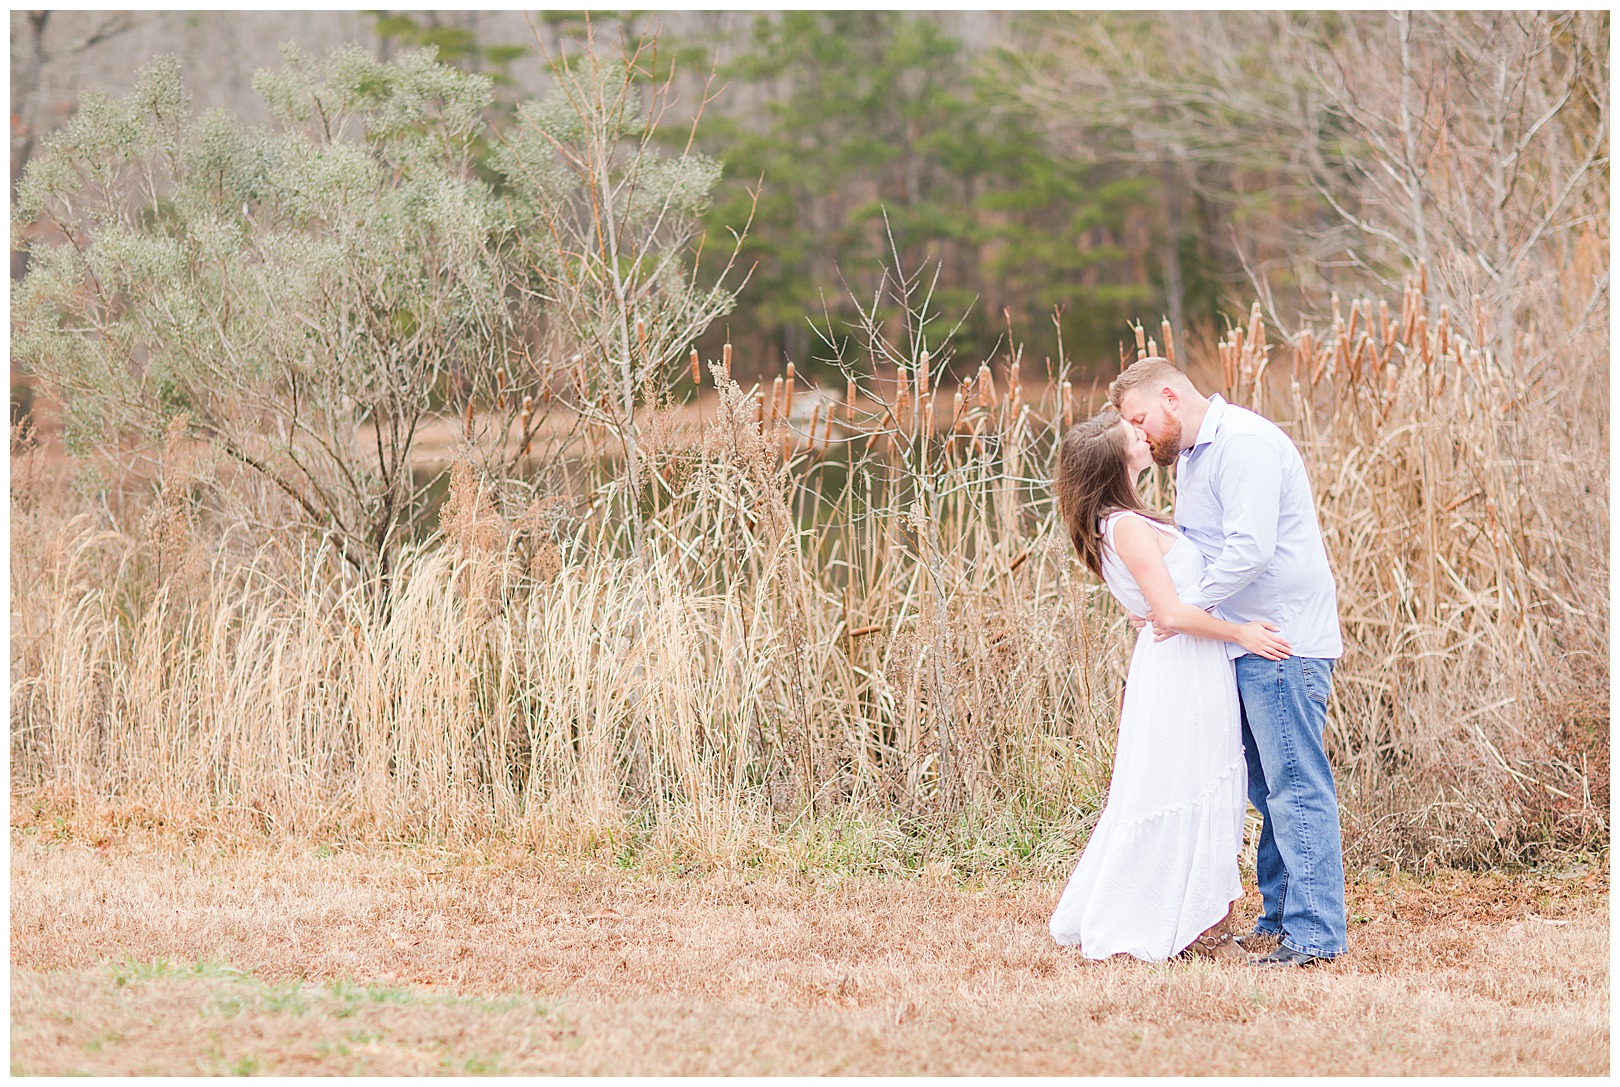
x,y
1300,861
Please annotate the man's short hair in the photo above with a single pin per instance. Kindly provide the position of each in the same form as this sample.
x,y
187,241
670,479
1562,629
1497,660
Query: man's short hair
x,y
1148,371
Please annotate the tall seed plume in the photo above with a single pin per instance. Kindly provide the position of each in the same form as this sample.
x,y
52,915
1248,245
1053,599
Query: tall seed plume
x,y
725,360
787,393
697,371
500,388
987,386
523,423
922,376
776,396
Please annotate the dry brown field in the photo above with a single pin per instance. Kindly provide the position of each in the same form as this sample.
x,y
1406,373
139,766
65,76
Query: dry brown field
x,y
136,954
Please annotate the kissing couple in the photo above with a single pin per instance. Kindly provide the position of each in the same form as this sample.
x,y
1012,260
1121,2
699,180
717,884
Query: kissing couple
x,y
1226,695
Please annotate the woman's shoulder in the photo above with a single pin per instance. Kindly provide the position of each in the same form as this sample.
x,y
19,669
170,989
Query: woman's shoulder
x,y
1116,517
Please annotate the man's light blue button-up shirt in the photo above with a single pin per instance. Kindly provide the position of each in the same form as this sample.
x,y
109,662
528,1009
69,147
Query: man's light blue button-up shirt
x,y
1243,500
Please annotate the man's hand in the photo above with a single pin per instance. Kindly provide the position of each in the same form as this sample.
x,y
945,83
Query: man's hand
x,y
1160,631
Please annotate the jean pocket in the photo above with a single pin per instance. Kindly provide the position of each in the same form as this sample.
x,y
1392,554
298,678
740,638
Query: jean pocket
x,y
1318,681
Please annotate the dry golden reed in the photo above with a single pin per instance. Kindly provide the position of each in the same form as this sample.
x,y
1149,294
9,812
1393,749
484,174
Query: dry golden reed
x,y
907,641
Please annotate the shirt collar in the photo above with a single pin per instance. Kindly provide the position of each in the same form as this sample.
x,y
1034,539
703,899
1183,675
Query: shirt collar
x,y
1212,422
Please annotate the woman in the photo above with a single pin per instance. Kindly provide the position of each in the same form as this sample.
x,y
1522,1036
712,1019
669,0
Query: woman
x,y
1159,874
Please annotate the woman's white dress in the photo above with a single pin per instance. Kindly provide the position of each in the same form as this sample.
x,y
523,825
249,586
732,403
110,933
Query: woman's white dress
x,y
1161,865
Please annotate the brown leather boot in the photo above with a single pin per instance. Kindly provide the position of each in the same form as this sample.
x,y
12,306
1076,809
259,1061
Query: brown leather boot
x,y
1215,943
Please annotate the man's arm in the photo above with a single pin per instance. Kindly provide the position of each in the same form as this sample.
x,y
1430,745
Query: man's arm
x,y
1248,483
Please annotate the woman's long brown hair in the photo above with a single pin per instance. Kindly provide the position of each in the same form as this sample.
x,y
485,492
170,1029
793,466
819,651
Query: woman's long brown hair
x,y
1092,482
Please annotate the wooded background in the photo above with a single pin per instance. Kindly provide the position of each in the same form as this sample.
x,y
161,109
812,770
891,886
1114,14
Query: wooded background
x,y
1106,167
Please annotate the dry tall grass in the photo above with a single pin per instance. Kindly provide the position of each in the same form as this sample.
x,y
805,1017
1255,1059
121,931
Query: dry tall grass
x,y
137,954
869,619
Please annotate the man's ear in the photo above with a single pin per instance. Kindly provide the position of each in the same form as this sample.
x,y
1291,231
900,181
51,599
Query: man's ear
x,y
1171,397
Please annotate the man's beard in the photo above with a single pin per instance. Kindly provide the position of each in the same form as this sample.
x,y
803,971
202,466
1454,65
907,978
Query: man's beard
x,y
1167,447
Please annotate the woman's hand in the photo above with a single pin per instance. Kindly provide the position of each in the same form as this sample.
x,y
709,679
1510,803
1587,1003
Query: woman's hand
x,y
1263,639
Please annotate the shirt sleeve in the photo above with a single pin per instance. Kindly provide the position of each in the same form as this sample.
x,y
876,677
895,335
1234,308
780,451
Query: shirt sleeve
x,y
1247,482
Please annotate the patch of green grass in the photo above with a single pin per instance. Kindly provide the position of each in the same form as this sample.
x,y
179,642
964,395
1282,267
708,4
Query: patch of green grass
x,y
288,997
472,1064
101,1041
351,995
127,970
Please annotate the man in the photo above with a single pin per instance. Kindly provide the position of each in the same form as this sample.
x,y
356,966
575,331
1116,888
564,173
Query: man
x,y
1243,499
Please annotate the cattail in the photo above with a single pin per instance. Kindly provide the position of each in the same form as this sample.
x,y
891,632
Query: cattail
x,y
815,417
467,421
523,424
849,401
1068,404
697,371
776,397
787,393
725,360
1141,341
922,376
1389,397
787,445
500,389
759,411
987,386
956,407
641,336
926,419
1169,344
902,401
1153,347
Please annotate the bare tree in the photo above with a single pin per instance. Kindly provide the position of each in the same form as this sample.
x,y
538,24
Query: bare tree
x,y
612,234
1354,146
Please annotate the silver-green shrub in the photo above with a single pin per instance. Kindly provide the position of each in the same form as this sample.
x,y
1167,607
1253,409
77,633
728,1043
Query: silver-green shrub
x,y
305,294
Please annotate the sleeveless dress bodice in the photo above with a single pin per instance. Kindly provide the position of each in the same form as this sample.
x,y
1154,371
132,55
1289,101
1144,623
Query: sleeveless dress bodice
x,y
1185,564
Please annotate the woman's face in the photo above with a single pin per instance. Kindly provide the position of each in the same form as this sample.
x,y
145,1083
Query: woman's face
x,y
1138,454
